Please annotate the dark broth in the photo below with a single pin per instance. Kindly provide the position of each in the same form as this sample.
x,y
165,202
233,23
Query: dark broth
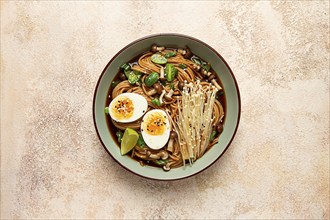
x,y
112,129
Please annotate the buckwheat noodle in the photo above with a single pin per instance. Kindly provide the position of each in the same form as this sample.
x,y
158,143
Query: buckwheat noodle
x,y
186,75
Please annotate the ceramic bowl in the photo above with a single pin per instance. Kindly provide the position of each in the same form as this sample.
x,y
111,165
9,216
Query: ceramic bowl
x,y
198,48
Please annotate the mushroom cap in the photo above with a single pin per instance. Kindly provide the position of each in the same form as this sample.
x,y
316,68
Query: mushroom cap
x,y
181,85
203,71
166,168
173,135
122,76
196,67
188,53
158,88
219,127
212,76
154,48
181,51
167,98
163,154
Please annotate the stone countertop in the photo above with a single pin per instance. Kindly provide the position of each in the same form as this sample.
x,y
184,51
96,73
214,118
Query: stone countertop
x,y
54,167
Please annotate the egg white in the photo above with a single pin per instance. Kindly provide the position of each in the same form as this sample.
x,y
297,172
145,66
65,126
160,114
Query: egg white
x,y
140,107
155,142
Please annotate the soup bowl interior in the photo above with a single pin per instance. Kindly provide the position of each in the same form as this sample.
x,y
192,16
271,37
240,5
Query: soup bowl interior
x,y
201,50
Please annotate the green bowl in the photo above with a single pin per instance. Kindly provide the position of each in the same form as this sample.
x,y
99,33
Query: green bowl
x,y
202,50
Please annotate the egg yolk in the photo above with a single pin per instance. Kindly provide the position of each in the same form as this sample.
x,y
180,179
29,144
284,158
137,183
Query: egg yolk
x,y
123,108
155,124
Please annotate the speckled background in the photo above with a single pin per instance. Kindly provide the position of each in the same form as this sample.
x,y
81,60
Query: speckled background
x,y
53,165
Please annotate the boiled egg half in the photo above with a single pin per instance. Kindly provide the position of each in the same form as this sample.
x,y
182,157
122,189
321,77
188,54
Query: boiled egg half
x,y
127,107
155,128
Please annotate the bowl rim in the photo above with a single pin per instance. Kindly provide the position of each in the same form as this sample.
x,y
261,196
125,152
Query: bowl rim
x,y
170,35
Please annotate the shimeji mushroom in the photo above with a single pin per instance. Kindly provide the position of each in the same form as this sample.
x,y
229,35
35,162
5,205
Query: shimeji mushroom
x,y
163,154
140,155
173,136
219,127
214,82
161,97
186,53
160,155
162,76
155,48
122,76
167,166
157,88
205,73
196,67
168,96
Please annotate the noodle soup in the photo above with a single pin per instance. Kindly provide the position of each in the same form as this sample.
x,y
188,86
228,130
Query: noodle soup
x,y
184,112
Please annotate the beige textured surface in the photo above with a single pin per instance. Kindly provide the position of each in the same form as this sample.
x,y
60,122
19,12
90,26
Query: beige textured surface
x,y
53,165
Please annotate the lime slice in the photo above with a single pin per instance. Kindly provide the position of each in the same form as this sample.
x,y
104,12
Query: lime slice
x,y
158,58
128,141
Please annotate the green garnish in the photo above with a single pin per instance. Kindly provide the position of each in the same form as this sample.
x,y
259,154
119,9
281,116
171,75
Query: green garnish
x,y
127,73
206,67
214,133
182,66
172,86
119,135
141,142
139,82
151,79
196,60
133,76
161,162
106,110
220,93
170,72
158,58
170,54
125,67
115,83
156,101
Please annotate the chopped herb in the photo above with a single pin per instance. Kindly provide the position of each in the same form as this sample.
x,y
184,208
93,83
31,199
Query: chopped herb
x,y
125,67
206,67
220,93
182,66
134,77
140,142
158,59
151,79
170,54
119,135
214,133
196,60
115,83
156,102
172,86
161,162
106,110
139,82
171,72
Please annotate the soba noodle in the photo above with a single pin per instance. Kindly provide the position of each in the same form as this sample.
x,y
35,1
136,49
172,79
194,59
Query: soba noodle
x,y
178,153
